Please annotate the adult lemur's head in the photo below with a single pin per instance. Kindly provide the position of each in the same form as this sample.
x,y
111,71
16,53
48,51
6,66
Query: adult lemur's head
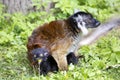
x,y
80,21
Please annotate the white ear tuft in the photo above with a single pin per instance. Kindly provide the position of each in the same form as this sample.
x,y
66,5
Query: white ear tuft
x,y
83,28
76,10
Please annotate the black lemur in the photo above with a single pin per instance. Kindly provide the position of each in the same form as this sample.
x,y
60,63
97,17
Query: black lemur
x,y
46,62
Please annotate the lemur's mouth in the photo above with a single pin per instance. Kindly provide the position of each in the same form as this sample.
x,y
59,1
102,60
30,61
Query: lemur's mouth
x,y
39,61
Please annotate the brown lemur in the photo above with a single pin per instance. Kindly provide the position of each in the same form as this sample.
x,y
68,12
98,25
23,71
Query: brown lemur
x,y
60,37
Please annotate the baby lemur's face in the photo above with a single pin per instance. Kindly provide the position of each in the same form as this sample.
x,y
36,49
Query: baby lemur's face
x,y
40,54
83,20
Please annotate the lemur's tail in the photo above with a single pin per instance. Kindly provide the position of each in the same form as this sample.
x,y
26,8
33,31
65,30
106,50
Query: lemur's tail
x,y
101,30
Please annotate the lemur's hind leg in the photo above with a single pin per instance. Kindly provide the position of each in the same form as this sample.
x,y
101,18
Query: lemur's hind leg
x,y
60,52
61,61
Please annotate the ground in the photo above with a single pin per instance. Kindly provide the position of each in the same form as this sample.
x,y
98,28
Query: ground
x,y
14,64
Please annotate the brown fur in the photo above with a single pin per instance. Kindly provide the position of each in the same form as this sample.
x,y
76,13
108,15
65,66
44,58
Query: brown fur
x,y
56,37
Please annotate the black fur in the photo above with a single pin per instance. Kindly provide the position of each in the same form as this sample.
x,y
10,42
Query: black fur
x,y
48,63
71,58
39,51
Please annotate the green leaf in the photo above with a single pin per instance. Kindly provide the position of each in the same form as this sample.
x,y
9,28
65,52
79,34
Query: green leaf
x,y
118,56
113,58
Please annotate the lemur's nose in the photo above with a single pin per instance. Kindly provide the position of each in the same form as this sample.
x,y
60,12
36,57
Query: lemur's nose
x,y
97,23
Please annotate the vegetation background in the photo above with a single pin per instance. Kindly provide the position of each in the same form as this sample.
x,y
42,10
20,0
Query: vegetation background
x,y
16,26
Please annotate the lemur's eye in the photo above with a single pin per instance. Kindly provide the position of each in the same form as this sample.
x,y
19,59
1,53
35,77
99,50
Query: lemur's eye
x,y
34,55
41,55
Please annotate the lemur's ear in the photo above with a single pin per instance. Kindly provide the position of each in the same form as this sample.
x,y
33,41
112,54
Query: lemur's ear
x,y
76,10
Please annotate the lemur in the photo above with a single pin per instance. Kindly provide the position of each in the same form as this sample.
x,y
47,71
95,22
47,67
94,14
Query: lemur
x,y
60,37
46,63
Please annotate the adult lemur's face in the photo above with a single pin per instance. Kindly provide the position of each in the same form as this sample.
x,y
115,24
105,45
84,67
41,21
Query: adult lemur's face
x,y
83,20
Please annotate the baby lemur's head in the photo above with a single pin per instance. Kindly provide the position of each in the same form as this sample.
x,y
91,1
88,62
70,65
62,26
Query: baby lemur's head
x,y
80,21
40,54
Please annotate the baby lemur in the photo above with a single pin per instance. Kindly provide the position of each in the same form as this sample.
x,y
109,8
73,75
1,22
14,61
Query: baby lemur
x,y
59,37
46,63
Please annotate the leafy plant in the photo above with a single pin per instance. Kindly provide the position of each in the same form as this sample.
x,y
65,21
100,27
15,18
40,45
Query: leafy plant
x,y
15,29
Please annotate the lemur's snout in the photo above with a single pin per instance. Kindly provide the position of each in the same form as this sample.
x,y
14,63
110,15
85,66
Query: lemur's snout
x,y
97,23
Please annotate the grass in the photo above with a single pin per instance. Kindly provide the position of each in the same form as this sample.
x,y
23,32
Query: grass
x,y
15,66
